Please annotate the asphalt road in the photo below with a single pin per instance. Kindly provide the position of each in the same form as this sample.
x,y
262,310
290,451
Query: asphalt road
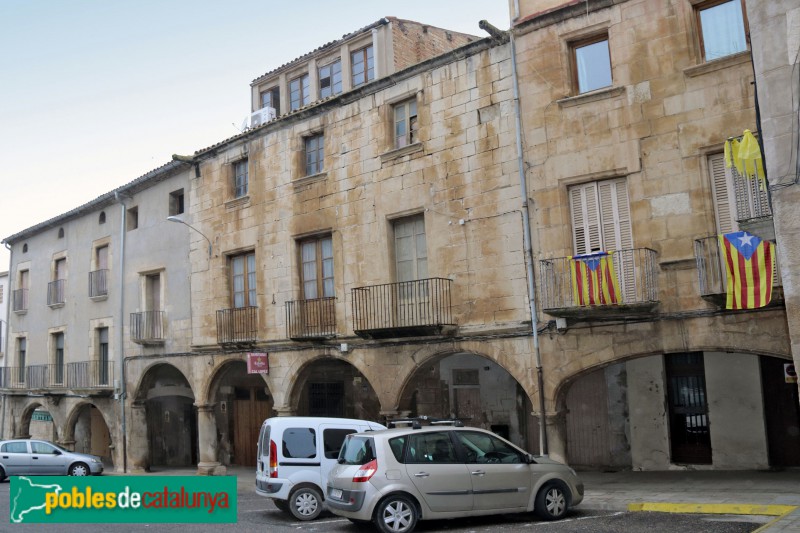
x,y
257,514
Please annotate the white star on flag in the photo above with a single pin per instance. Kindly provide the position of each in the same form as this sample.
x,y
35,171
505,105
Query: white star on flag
x,y
745,239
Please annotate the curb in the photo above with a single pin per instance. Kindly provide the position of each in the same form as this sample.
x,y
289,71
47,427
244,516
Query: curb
x,y
778,511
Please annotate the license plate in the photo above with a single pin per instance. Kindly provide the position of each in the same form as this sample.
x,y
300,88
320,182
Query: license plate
x,y
336,494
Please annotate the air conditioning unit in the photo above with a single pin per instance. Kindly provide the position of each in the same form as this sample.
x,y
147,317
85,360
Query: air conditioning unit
x,y
262,116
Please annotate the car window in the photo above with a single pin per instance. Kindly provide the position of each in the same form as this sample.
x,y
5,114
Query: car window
x,y
15,447
485,448
357,451
396,444
299,443
431,448
43,447
332,439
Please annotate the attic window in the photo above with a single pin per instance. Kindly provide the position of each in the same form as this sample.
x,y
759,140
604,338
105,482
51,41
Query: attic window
x,y
60,233
102,218
25,248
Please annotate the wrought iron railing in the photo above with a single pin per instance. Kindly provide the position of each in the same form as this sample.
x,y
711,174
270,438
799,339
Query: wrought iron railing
x,y
80,375
97,374
237,325
56,292
752,197
98,283
636,272
311,319
19,300
147,326
419,307
711,269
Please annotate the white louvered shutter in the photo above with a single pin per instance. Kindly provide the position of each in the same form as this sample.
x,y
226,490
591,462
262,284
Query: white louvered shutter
x,y
615,214
585,219
724,197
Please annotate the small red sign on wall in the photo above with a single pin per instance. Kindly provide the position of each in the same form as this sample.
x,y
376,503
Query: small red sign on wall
x,y
258,363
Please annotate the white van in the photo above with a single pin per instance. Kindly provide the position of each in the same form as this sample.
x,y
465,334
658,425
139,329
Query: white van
x,y
295,455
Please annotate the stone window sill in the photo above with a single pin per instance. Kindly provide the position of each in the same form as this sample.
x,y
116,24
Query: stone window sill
x,y
396,153
99,298
56,306
236,202
308,180
717,64
594,96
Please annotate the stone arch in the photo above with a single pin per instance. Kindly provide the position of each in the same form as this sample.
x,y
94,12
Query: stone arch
x,y
94,435
348,390
23,428
163,429
474,388
240,403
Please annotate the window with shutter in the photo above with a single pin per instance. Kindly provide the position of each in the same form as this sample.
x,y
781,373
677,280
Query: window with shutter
x,y
601,222
724,196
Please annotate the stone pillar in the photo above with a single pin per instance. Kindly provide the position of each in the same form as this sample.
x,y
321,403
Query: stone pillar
x,y
138,447
557,436
284,411
207,445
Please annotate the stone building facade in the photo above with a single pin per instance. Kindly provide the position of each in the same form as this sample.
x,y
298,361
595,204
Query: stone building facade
x,y
369,242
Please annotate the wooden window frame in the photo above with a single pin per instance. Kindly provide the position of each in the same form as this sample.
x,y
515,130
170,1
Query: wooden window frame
x,y
274,94
246,280
332,87
416,259
319,259
177,204
369,73
318,152
702,6
411,134
573,59
303,91
240,169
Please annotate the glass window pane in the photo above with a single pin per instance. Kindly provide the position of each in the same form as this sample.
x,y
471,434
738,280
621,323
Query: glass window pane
x,y
310,290
723,30
594,66
327,288
299,443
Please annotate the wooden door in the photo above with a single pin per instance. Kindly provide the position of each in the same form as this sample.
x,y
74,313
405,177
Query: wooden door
x,y
587,421
248,415
782,412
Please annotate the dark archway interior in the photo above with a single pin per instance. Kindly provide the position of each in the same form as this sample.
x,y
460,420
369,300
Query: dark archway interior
x,y
330,387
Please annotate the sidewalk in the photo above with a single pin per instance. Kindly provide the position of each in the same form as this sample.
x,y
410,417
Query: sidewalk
x,y
712,492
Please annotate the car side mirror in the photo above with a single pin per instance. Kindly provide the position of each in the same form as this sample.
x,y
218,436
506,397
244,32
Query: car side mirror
x,y
56,452
530,459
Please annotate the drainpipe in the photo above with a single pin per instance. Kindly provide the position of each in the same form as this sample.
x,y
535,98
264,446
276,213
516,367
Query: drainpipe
x,y
5,340
526,230
121,329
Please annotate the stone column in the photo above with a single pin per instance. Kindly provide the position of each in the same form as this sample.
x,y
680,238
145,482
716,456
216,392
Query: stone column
x,y
138,447
284,411
557,435
207,445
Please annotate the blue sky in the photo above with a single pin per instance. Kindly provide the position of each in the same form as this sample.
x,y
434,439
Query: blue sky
x,y
93,93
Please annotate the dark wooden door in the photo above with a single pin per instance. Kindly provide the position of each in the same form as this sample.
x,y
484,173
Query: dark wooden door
x,y
782,413
249,412
689,433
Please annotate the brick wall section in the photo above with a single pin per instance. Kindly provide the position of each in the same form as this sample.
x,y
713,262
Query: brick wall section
x,y
415,42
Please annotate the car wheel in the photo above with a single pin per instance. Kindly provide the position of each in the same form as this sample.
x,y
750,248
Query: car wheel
x,y
396,514
2,474
79,469
282,505
552,501
305,503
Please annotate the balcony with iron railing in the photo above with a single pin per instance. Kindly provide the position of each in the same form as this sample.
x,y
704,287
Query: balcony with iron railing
x,y
713,276
311,319
84,375
19,300
147,327
98,284
56,292
238,325
636,273
753,204
404,309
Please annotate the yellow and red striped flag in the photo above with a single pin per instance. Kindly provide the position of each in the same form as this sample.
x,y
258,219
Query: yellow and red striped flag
x,y
749,264
594,280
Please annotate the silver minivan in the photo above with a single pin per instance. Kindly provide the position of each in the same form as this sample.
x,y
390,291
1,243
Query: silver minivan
x,y
295,455
396,477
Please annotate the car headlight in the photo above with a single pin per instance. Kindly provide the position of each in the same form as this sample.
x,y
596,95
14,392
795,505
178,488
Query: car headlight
x,y
96,460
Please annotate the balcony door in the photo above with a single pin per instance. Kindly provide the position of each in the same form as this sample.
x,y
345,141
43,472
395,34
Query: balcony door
x,y
243,280
601,222
411,264
316,271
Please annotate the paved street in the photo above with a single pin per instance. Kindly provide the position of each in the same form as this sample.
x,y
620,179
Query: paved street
x,y
258,515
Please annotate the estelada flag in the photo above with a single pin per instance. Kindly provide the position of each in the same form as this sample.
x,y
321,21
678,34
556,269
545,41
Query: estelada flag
x,y
594,280
749,264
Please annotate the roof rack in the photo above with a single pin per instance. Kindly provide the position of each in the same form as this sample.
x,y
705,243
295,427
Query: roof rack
x,y
416,422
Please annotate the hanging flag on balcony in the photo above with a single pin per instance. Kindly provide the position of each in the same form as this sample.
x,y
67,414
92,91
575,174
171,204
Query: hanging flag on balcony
x,y
749,264
594,280
745,155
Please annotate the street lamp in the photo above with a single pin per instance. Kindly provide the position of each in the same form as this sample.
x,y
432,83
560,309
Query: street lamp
x,y
176,219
